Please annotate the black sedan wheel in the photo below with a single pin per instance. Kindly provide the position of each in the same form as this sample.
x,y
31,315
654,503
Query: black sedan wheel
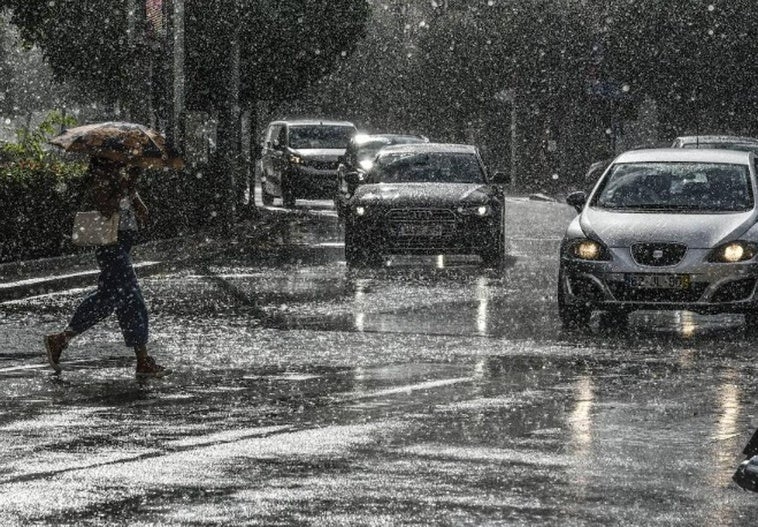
x,y
494,254
357,254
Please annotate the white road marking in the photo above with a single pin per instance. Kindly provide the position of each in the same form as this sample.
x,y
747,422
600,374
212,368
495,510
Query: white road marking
x,y
408,389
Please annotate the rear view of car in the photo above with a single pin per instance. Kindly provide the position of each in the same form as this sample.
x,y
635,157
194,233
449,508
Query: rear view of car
x,y
664,229
299,159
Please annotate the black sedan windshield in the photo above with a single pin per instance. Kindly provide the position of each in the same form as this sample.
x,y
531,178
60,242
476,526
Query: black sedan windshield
x,y
428,167
694,187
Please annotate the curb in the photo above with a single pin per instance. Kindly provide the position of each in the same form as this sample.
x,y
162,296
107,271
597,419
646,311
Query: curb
x,y
35,277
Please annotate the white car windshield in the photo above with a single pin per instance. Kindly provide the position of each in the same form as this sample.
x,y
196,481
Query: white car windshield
x,y
320,136
690,187
428,167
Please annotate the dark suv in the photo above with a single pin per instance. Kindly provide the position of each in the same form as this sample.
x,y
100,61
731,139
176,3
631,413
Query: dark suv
x,y
299,159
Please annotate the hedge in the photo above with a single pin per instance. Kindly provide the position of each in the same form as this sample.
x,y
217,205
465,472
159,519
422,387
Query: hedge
x,y
38,200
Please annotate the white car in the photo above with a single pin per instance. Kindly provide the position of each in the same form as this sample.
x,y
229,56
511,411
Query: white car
x,y
664,229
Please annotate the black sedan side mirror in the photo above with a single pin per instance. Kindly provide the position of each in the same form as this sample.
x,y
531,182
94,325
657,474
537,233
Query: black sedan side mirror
x,y
355,178
501,178
577,200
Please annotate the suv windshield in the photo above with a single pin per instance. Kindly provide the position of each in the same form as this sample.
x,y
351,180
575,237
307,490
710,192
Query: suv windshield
x,y
692,187
433,167
320,136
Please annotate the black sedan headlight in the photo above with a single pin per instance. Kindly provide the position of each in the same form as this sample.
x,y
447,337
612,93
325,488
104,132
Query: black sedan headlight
x,y
360,210
586,249
482,210
732,252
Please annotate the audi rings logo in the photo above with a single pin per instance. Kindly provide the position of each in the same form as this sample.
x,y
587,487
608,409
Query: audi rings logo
x,y
413,215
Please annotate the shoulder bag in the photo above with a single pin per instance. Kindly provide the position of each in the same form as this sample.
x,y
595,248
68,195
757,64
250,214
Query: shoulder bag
x,y
91,228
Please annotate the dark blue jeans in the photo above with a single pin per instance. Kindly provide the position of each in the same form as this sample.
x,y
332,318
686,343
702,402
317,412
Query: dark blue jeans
x,y
117,290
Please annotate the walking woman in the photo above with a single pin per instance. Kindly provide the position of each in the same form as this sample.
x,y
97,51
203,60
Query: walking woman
x,y
111,188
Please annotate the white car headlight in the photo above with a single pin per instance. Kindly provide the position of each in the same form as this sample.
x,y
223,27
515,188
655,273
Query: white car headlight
x,y
588,250
732,252
295,159
360,210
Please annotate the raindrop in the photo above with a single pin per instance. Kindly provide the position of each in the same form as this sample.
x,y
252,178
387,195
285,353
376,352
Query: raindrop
x,y
625,88
555,177
711,7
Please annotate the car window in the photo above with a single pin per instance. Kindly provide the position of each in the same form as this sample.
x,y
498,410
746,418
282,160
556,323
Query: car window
x,y
320,136
693,187
436,167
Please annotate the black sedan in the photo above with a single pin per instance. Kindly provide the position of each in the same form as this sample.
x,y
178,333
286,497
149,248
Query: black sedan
x,y
426,199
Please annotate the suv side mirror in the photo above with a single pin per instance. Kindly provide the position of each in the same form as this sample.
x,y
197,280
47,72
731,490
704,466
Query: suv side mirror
x,y
577,200
501,178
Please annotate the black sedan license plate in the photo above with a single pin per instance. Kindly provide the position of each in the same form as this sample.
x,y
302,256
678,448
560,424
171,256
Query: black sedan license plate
x,y
420,229
658,281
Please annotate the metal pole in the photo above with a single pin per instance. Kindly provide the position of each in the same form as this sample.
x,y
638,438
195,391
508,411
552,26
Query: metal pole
x,y
177,128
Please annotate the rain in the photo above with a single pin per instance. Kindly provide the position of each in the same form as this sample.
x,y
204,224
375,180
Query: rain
x,y
378,262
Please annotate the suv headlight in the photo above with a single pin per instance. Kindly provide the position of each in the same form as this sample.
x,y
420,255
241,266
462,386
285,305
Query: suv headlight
x,y
360,210
737,251
586,249
475,210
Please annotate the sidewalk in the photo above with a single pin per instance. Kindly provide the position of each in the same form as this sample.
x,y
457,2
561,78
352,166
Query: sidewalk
x,y
35,277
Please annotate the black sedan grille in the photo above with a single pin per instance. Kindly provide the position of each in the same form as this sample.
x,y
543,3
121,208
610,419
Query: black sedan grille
x,y
658,254
421,228
421,215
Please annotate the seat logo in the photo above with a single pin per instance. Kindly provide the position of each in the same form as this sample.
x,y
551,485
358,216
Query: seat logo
x,y
658,254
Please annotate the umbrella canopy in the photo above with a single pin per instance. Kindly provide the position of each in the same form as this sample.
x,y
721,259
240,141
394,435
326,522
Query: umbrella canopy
x,y
128,143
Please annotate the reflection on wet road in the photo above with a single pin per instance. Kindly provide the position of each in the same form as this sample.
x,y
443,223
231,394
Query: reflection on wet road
x,y
429,391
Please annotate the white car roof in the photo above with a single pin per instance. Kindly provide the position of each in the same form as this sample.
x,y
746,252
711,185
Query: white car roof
x,y
313,122
424,148
702,155
688,139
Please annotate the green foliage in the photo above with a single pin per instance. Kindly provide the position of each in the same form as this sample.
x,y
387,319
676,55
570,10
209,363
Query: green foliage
x,y
32,144
87,42
40,198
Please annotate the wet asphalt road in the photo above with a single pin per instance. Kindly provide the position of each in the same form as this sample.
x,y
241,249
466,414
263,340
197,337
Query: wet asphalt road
x,y
429,392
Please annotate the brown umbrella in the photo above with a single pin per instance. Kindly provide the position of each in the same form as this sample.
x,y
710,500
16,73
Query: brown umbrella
x,y
129,143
